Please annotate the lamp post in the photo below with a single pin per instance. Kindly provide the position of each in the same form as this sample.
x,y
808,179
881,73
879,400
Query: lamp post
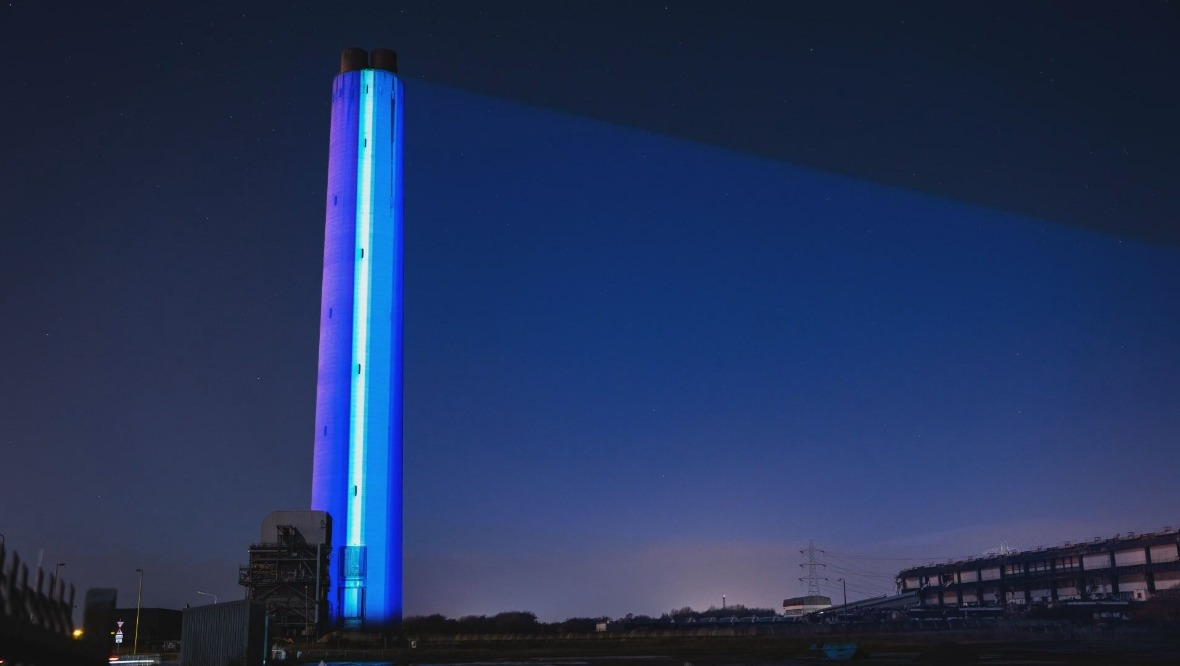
x,y
56,577
138,601
208,595
845,593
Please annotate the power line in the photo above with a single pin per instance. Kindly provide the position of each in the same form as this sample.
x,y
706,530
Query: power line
x,y
860,580
852,567
915,558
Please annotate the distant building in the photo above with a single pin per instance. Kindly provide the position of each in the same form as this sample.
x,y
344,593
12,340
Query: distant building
x,y
158,628
800,606
1127,567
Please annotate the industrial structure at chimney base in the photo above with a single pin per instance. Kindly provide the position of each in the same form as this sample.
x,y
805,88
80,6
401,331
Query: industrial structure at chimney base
x,y
288,572
357,469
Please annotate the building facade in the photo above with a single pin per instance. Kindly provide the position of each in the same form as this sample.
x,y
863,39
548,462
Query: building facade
x,y
357,469
800,606
1125,567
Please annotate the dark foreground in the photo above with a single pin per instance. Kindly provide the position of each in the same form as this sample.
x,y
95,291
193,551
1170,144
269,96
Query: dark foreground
x,y
1114,647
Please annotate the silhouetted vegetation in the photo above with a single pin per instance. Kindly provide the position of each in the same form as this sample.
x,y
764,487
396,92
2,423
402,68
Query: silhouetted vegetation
x,y
734,610
1163,608
524,622
508,622
579,625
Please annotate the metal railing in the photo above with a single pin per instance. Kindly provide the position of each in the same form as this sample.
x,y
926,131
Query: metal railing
x,y
36,624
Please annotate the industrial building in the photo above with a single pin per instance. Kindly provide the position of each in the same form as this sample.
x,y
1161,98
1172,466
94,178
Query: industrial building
x,y
288,574
800,606
1127,567
357,466
233,632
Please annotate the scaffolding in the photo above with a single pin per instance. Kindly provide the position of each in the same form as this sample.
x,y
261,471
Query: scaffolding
x,y
289,575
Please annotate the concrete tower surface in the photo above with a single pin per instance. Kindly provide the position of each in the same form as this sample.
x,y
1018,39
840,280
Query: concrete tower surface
x,y
357,473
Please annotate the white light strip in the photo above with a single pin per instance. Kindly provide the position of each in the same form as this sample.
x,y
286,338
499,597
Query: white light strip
x,y
360,345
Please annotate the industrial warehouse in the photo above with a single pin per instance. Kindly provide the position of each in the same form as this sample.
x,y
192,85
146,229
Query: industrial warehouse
x,y
1127,567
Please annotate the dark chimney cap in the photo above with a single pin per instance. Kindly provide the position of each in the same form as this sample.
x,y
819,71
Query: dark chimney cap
x,y
352,59
384,59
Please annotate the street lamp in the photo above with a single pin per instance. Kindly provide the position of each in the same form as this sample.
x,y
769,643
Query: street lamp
x,y
208,595
56,577
138,601
845,593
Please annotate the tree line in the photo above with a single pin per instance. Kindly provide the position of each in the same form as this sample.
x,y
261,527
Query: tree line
x,y
526,622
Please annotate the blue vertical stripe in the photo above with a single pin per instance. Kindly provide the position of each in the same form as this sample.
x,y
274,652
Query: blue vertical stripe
x,y
361,351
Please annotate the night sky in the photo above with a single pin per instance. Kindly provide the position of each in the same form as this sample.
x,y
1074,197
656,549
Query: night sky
x,y
685,288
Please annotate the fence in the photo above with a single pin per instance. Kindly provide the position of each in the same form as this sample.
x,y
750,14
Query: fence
x,y
37,625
